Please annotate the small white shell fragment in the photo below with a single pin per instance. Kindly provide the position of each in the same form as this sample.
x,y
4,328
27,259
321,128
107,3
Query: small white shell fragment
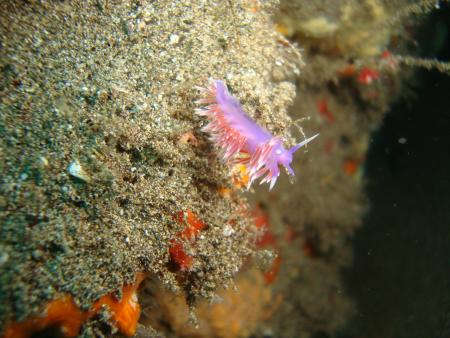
x,y
4,257
76,170
43,161
174,39
228,230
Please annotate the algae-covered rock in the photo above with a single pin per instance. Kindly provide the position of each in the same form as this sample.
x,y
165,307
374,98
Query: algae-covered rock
x,y
95,98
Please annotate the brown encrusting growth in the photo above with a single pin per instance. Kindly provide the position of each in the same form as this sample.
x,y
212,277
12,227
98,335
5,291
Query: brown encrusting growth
x,y
352,75
235,312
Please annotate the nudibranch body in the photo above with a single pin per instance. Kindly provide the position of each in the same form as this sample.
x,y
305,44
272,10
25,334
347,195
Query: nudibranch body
x,y
240,139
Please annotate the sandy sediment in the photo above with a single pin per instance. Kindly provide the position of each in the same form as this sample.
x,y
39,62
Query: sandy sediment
x,y
96,100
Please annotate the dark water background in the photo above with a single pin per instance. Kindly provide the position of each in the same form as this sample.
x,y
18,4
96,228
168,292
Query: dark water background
x,y
401,274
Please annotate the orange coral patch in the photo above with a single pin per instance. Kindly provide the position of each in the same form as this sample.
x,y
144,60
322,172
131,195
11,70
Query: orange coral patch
x,y
261,221
240,176
125,312
179,256
347,71
61,312
322,107
193,225
368,75
271,274
66,315
289,235
224,192
266,239
386,54
351,167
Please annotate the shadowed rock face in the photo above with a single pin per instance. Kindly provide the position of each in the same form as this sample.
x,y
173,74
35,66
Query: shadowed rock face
x,y
350,79
397,276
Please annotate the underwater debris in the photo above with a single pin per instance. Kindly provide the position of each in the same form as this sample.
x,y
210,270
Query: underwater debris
x,y
441,66
236,133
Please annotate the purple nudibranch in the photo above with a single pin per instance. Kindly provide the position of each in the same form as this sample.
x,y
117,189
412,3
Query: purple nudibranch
x,y
235,133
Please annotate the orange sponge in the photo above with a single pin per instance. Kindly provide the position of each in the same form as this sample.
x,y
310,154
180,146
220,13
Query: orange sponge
x,y
60,312
66,315
125,313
